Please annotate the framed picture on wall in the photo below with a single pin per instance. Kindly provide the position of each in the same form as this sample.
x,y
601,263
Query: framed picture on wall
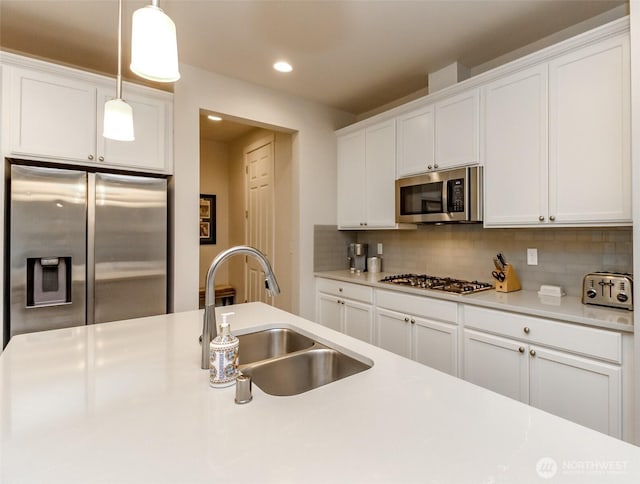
x,y
207,219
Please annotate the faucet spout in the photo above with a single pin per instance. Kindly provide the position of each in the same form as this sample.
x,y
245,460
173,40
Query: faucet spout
x,y
209,326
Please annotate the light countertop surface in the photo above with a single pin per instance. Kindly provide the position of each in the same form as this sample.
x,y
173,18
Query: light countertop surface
x,y
127,402
565,308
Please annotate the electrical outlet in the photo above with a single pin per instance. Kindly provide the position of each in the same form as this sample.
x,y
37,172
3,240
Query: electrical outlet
x,y
532,257
379,248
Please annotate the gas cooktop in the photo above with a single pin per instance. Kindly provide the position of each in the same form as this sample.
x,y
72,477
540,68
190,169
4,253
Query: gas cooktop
x,y
448,284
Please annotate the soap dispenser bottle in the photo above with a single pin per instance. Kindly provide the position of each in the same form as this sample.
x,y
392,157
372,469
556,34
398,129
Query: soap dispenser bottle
x,y
223,356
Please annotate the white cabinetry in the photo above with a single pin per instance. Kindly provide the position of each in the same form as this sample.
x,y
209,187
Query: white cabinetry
x,y
556,140
589,140
419,328
53,113
345,307
457,130
416,141
366,177
439,136
543,363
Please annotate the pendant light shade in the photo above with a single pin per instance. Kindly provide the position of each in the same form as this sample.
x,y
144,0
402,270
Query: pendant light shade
x,y
154,49
118,115
118,120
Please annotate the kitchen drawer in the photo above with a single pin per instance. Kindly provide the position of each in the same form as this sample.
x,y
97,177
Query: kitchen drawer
x,y
345,289
418,305
592,342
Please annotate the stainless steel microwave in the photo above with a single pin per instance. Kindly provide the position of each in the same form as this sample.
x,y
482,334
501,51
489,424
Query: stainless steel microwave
x,y
441,196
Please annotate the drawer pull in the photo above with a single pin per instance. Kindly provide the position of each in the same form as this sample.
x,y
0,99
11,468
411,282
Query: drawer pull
x,y
526,330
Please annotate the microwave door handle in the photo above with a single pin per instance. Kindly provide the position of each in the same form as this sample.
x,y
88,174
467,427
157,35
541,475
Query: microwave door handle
x,y
445,198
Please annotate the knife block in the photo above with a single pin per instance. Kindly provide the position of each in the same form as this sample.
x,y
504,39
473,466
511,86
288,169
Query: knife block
x,y
511,281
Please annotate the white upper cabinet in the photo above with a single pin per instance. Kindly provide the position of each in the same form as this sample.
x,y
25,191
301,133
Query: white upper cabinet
x,y
351,180
53,113
556,141
50,116
589,141
457,132
366,177
415,141
515,148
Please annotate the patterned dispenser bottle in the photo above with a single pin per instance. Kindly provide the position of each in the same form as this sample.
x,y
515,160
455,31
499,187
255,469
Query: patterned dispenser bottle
x,y
223,356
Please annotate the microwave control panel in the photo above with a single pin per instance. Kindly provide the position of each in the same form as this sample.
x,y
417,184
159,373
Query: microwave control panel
x,y
455,195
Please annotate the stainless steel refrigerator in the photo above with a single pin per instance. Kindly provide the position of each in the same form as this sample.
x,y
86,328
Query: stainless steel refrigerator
x,y
83,248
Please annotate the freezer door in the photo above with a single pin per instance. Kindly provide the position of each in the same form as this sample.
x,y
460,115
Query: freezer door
x,y
129,247
47,249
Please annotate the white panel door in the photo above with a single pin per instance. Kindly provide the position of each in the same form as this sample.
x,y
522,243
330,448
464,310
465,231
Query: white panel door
x,y
589,140
457,133
329,311
380,175
515,148
415,141
260,219
358,320
147,151
495,363
435,344
585,391
351,180
393,332
52,116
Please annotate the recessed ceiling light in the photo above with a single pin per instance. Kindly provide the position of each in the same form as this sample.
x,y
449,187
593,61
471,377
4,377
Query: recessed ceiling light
x,y
282,66
214,118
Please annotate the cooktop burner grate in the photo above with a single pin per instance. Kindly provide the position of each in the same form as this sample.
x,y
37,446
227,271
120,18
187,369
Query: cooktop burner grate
x,y
447,284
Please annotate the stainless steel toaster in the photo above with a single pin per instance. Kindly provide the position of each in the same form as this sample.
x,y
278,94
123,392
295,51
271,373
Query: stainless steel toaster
x,y
610,289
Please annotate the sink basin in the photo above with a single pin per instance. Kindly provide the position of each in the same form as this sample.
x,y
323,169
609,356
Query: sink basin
x,y
271,343
303,371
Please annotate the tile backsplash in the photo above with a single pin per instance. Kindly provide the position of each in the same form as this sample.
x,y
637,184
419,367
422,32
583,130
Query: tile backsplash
x,y
565,255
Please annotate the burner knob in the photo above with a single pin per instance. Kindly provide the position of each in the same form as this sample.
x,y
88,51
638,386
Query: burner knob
x,y
622,297
591,293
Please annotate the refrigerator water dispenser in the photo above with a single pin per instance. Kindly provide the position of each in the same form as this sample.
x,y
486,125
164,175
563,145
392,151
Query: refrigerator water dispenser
x,y
48,281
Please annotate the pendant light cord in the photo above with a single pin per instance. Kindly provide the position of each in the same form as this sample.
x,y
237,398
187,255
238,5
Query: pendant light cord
x,y
119,77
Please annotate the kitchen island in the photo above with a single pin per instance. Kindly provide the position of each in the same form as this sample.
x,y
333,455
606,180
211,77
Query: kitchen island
x,y
127,402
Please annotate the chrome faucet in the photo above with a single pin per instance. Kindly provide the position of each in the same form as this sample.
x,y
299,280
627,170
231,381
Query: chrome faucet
x,y
209,326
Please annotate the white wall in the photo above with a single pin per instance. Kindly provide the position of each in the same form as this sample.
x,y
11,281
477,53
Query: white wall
x,y
313,160
635,170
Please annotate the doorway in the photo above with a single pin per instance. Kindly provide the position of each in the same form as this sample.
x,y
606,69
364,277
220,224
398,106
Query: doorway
x,y
248,167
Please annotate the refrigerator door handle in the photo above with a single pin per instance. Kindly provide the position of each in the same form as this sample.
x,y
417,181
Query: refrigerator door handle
x,y
91,244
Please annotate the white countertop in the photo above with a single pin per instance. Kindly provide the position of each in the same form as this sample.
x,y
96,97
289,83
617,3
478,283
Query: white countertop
x,y
128,402
565,308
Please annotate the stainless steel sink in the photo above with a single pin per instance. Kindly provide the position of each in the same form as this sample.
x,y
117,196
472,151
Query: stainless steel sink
x,y
283,362
270,343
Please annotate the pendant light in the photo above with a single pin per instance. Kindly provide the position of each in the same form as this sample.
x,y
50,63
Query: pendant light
x,y
154,49
118,115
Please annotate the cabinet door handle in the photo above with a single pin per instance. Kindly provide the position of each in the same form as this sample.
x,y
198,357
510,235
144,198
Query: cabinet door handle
x,y
340,289
552,218
521,349
101,158
526,330
429,167
406,320
541,218
435,165
532,352
90,157
413,321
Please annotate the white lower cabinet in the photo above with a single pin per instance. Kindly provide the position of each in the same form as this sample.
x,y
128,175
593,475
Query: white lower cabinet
x,y
581,389
419,328
346,308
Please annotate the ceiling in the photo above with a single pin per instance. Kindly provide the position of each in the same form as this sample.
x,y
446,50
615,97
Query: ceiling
x,y
353,55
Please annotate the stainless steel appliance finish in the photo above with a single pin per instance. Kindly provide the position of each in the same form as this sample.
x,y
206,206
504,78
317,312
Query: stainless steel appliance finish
x,y
441,197
447,284
84,248
611,289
